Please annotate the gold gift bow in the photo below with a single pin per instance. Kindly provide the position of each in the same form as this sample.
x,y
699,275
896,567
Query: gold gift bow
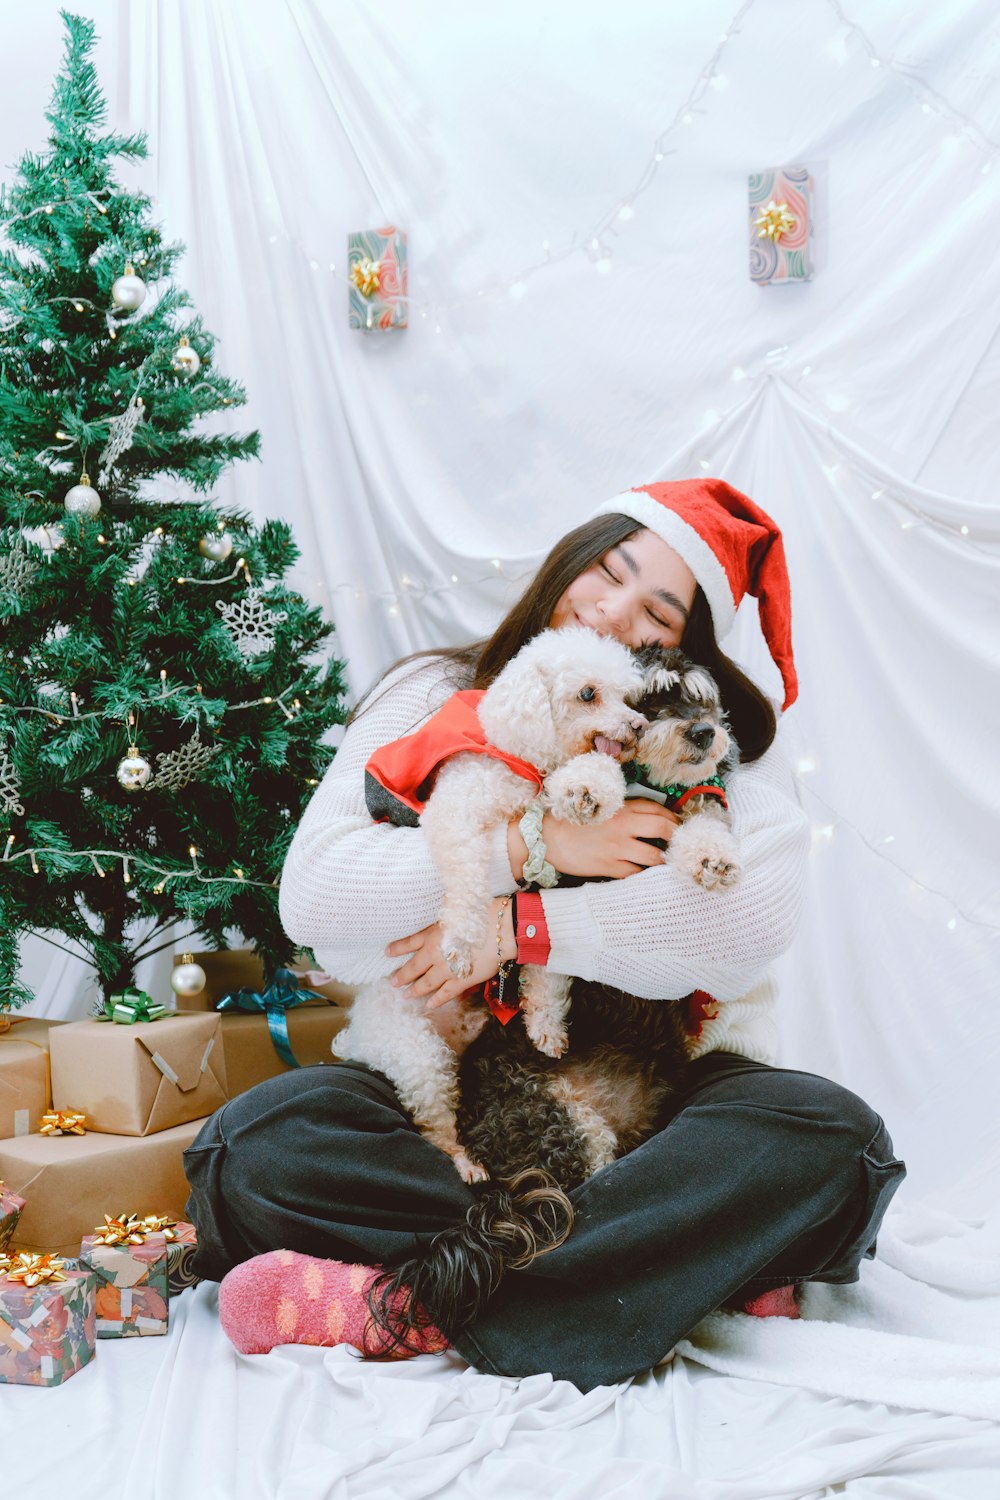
x,y
365,274
123,1229
159,1224
774,221
62,1122
32,1269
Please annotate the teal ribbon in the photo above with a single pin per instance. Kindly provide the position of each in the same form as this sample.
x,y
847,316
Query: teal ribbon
x,y
280,996
133,1005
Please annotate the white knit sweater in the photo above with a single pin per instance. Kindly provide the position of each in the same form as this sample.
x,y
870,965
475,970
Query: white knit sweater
x,y
350,886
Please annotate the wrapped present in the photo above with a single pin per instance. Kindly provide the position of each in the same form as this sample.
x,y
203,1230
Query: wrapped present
x,y
130,1266
25,1091
47,1320
182,1241
780,225
377,278
68,1181
232,969
138,1079
10,1212
250,1052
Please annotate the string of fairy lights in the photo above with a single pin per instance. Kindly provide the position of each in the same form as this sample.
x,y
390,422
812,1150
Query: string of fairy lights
x,y
594,243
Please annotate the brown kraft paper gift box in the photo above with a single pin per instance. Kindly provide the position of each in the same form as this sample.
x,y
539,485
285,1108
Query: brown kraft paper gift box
x,y
234,969
69,1182
25,1092
250,1053
138,1079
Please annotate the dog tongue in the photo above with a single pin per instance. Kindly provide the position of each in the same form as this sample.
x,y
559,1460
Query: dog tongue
x,y
604,746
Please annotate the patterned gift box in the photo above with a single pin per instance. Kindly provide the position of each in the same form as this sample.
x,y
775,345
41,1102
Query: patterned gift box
x,y
180,1256
10,1212
781,225
47,1332
132,1287
377,277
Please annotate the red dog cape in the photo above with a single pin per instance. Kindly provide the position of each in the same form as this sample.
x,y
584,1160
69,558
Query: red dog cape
x,y
399,778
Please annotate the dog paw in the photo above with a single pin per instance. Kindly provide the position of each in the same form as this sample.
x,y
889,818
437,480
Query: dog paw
x,y
459,960
469,1170
577,804
547,1036
716,872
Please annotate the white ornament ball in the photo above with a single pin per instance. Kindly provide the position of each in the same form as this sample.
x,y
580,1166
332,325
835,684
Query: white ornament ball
x,y
129,291
82,499
188,978
133,770
186,360
216,546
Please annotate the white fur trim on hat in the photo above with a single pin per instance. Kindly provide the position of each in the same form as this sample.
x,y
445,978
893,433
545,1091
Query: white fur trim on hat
x,y
688,544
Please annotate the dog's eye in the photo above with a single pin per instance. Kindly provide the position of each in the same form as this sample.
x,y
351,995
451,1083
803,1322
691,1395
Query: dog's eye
x,y
587,694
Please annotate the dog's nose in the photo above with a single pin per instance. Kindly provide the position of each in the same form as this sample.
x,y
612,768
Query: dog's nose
x,y
701,735
638,723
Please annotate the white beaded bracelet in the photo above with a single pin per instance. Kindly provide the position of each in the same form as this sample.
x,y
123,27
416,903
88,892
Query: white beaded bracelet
x,y
537,869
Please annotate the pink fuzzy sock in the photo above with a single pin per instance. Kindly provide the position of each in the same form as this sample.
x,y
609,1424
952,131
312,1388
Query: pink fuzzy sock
x,y
286,1298
779,1302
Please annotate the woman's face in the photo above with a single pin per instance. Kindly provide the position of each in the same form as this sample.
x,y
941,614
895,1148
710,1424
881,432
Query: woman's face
x,y
639,592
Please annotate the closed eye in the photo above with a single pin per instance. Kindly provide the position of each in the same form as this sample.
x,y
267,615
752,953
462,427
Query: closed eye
x,y
651,613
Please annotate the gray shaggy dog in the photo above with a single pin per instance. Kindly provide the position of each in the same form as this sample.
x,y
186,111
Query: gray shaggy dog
x,y
542,1125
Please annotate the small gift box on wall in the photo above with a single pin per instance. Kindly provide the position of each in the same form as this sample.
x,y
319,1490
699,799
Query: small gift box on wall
x,y
130,1266
781,221
47,1320
377,276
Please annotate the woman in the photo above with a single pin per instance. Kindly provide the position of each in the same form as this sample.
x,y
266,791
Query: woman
x,y
762,1177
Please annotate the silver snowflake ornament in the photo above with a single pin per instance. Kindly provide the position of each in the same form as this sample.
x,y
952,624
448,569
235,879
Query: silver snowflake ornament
x,y
251,622
178,768
17,569
10,787
121,435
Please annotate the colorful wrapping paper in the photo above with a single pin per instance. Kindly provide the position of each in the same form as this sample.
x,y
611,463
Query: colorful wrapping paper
x,y
47,1332
774,262
180,1255
10,1212
385,306
132,1291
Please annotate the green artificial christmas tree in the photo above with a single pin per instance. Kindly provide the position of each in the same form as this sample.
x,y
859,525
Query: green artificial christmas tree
x,y
162,699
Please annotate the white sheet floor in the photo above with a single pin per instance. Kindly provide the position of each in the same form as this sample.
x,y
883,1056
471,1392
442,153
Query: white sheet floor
x,y
887,1389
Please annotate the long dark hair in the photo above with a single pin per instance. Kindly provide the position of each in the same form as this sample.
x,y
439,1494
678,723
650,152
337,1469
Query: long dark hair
x,y
478,664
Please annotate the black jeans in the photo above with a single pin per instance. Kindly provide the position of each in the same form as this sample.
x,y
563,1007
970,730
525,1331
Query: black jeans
x,y
762,1176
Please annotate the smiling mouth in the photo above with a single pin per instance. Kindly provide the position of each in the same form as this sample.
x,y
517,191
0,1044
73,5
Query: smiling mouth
x,y
617,749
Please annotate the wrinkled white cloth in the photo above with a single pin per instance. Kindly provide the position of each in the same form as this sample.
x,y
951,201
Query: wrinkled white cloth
x,y
888,1389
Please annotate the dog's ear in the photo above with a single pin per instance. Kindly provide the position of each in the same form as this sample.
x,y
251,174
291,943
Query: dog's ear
x,y
516,713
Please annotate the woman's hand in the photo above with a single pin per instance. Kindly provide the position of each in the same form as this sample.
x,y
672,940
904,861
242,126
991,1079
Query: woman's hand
x,y
425,975
613,848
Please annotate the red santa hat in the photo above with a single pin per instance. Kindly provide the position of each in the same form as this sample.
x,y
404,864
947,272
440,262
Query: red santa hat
x,y
732,547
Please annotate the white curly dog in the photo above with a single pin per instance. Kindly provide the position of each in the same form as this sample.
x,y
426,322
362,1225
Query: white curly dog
x,y
565,705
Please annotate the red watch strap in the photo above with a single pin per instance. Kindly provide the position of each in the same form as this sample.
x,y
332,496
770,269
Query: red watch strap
x,y
532,932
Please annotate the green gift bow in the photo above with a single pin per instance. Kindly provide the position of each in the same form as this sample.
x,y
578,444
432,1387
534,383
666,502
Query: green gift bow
x,y
280,996
133,1005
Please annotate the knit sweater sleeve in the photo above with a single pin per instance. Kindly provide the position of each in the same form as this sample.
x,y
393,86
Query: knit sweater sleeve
x,y
659,935
350,886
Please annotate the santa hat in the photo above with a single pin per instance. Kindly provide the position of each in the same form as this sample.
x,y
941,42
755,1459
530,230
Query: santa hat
x,y
732,547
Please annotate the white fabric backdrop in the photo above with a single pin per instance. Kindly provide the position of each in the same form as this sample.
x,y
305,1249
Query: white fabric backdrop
x,y
582,319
